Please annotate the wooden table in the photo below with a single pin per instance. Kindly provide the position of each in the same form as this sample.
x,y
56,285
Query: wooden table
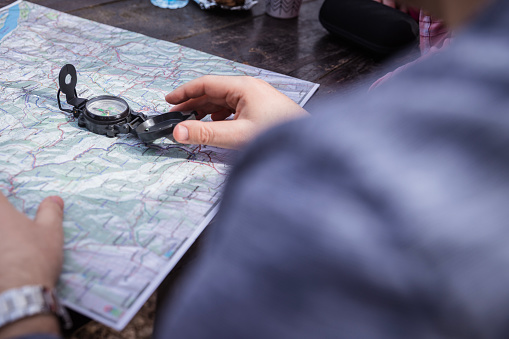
x,y
298,47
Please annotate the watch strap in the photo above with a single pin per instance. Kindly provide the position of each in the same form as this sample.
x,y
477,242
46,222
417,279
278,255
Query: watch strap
x,y
26,301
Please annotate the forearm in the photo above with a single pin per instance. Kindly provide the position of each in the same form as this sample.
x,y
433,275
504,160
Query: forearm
x,y
41,326
30,262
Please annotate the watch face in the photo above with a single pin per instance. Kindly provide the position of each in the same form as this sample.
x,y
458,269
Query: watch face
x,y
107,108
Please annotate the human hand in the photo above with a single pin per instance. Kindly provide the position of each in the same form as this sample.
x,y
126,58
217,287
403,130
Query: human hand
x,y
393,4
31,254
256,106
389,3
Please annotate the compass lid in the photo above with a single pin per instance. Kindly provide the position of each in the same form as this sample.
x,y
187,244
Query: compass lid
x,y
161,125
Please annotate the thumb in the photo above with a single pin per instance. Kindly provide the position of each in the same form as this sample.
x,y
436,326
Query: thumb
x,y
225,134
50,214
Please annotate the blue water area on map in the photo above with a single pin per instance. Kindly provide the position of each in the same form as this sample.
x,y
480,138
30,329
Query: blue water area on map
x,y
11,22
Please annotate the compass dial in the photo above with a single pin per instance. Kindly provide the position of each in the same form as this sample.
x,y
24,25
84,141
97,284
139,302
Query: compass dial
x,y
107,108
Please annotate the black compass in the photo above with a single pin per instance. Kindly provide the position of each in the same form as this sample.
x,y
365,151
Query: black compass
x,y
110,115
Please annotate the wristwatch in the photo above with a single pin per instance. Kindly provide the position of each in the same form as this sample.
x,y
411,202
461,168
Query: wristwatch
x,y
26,301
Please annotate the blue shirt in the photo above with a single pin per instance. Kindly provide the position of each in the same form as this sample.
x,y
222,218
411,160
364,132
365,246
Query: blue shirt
x,y
381,217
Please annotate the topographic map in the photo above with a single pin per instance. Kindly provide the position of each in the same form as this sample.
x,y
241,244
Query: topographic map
x,y
132,209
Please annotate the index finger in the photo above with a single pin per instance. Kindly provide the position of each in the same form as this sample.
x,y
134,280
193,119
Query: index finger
x,y
5,205
214,86
3,198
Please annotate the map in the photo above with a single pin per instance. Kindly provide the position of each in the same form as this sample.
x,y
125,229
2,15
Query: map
x,y
132,209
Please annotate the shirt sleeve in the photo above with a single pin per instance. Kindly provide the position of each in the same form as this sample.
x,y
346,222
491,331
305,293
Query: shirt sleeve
x,y
301,249
40,336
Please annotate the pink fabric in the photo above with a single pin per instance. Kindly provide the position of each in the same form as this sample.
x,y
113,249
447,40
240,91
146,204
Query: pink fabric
x,y
432,33
433,36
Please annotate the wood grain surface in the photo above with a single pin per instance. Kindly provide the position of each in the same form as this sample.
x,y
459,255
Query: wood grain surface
x,y
298,47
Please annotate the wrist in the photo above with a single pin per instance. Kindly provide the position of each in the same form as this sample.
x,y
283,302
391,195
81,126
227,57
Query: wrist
x,y
17,278
40,323
30,309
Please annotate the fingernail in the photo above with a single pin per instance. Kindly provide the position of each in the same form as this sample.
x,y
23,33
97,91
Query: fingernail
x,y
57,200
181,133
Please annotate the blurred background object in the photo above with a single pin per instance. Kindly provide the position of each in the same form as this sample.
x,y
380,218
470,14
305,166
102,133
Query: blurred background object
x,y
283,9
171,4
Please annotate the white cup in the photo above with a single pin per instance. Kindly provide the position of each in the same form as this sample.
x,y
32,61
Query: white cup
x,y
283,9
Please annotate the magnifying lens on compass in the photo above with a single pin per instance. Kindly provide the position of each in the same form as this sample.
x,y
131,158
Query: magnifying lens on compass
x,y
107,108
111,115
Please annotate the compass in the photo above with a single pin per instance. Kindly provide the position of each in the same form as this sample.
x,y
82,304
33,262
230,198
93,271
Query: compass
x,y
111,115
107,108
